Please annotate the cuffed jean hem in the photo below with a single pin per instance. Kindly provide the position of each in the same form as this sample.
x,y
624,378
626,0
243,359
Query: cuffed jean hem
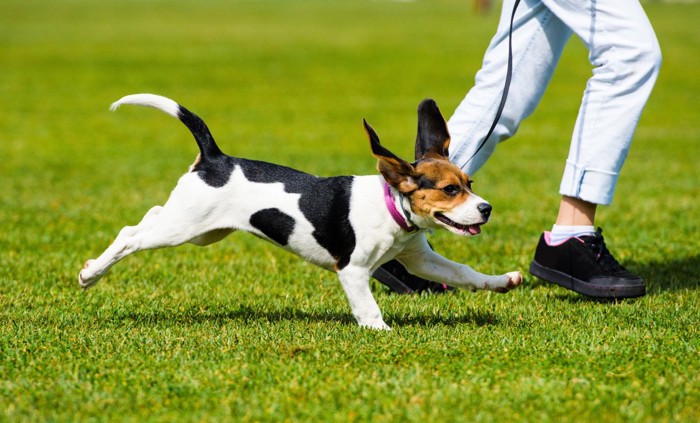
x,y
592,185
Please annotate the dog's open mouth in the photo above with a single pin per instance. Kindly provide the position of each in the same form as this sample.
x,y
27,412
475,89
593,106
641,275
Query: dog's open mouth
x,y
472,229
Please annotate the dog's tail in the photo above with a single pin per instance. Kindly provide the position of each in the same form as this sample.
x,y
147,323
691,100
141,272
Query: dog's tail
x,y
205,141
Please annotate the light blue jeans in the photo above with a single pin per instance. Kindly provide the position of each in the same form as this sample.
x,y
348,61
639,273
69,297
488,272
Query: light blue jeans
x,y
626,58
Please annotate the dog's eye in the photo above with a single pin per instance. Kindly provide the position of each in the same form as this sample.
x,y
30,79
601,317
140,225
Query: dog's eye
x,y
451,190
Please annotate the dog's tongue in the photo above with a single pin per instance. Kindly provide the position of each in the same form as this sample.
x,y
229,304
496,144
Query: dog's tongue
x,y
474,229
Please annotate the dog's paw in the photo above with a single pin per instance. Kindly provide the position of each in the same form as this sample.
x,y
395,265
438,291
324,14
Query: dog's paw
x,y
85,278
380,325
514,280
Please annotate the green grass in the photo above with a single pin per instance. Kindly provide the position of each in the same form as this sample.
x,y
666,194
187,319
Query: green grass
x,y
242,331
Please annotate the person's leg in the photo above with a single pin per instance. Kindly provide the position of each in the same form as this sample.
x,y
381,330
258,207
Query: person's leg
x,y
576,217
576,212
626,59
538,40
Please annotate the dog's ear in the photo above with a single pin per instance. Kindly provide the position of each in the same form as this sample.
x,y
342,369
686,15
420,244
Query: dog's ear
x,y
397,172
433,139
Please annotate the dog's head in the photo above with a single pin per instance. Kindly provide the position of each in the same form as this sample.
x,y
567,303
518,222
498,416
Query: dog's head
x,y
439,193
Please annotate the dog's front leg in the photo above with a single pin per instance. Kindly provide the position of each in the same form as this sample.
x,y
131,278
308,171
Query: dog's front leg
x,y
355,281
422,261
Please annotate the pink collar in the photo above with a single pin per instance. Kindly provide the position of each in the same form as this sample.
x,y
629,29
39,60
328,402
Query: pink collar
x,y
398,217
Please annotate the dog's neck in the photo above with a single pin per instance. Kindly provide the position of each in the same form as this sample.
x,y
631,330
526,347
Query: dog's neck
x,y
397,211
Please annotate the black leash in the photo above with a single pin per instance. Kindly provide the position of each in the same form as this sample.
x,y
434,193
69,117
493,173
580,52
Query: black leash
x,y
506,87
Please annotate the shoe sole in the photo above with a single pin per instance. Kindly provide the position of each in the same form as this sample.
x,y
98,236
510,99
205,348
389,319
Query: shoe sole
x,y
585,288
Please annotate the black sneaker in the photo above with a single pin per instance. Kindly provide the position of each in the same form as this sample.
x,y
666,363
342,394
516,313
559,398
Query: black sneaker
x,y
584,265
397,278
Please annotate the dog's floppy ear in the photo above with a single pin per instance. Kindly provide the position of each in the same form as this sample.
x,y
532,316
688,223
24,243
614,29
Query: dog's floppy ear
x,y
433,139
397,172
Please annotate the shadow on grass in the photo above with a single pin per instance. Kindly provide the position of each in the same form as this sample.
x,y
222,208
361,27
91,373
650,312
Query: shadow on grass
x,y
669,275
471,317
196,315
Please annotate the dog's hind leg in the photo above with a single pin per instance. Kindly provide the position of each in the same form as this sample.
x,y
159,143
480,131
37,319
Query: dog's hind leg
x,y
94,269
161,227
355,281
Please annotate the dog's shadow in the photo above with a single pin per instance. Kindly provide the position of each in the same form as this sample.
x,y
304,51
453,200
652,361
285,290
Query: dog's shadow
x,y
469,317
196,315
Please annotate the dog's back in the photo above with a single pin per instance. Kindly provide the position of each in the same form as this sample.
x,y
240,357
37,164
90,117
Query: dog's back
x,y
286,206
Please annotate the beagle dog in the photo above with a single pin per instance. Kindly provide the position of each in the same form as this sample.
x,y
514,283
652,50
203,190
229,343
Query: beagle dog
x,y
348,224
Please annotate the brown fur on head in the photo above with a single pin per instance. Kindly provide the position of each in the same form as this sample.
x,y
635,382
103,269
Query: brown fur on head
x,y
433,183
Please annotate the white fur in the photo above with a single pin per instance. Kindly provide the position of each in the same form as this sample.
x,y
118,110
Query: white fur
x,y
149,100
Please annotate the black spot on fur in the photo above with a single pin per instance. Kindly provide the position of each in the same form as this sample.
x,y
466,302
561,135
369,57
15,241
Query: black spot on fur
x,y
275,224
325,203
328,208
215,172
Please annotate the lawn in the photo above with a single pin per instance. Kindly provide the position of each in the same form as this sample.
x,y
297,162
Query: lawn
x,y
242,331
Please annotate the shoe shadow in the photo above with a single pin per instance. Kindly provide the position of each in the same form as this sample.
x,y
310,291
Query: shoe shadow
x,y
669,275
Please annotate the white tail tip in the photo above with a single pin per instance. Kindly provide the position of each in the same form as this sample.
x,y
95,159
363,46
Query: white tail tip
x,y
149,100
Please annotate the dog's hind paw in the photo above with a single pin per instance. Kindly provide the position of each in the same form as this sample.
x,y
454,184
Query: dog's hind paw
x,y
84,280
376,326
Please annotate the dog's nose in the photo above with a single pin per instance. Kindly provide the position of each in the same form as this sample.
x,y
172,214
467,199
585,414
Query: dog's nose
x,y
485,209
